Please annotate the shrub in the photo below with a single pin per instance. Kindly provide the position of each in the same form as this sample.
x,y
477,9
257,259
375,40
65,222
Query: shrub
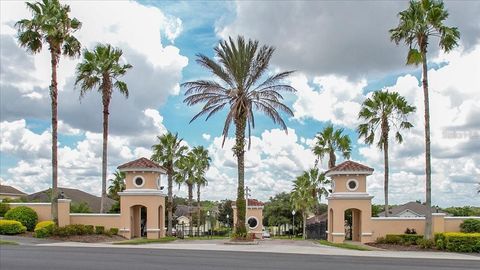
x,y
26,215
470,226
410,231
380,240
44,229
113,231
99,229
424,243
11,227
90,229
60,231
4,207
458,242
402,239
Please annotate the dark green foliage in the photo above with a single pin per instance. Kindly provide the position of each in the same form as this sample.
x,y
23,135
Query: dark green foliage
x,y
4,207
278,211
11,227
401,239
44,229
425,243
89,229
80,208
470,226
224,209
410,231
99,229
113,231
26,215
115,209
458,242
465,211
74,229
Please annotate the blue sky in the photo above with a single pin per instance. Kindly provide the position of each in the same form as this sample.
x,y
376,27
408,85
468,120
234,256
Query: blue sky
x,y
338,62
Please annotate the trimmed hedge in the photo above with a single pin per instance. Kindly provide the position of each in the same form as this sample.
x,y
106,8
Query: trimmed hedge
x,y
470,226
4,207
400,239
11,227
458,242
26,215
99,229
44,229
113,231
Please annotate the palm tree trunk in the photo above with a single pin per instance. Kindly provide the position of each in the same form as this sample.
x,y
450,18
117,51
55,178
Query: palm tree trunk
x,y
304,224
239,149
54,97
106,102
428,169
170,200
198,209
332,159
190,199
385,184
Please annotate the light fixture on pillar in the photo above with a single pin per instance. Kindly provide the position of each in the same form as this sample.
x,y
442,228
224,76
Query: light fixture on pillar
x,y
293,215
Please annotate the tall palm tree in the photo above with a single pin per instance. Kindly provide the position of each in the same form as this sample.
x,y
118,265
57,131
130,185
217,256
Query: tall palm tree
x,y
51,25
421,21
101,70
168,150
383,111
329,141
185,174
307,190
117,185
240,69
202,163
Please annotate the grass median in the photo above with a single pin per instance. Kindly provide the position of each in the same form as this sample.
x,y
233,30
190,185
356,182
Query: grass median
x,y
344,245
5,242
143,241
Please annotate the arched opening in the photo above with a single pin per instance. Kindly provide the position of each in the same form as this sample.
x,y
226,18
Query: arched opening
x,y
353,224
330,225
138,221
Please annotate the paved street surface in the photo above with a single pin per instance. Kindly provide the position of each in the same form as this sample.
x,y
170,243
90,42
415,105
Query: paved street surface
x,y
81,258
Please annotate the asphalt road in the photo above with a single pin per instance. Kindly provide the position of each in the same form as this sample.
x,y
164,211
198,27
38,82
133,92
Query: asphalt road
x,y
53,258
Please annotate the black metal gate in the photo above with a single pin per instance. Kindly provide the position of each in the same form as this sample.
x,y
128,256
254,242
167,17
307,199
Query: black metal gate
x,y
317,230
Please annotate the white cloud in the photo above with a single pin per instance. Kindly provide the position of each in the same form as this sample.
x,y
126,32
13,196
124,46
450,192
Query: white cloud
x,y
332,99
206,136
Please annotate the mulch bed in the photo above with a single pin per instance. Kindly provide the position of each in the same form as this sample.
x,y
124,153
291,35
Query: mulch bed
x,y
92,238
401,247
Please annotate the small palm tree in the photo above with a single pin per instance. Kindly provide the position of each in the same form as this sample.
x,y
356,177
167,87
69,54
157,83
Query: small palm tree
x,y
51,25
240,67
421,21
307,191
185,174
383,111
117,185
202,163
329,141
168,150
101,70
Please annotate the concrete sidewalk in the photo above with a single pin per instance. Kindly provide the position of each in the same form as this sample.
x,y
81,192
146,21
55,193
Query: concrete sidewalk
x,y
278,246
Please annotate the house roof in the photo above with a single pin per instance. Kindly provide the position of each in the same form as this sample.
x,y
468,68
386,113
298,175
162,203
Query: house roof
x,y
10,190
415,207
349,167
141,163
317,218
76,195
251,202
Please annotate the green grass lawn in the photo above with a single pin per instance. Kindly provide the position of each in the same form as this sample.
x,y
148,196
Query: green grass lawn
x,y
286,237
5,242
142,241
214,237
343,245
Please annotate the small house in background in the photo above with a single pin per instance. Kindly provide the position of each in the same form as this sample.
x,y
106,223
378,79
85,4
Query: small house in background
x,y
9,192
254,217
410,209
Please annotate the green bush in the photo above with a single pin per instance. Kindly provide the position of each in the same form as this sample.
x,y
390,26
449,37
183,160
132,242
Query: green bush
x,y
402,239
425,243
61,231
44,229
99,229
4,207
458,242
113,231
26,215
11,227
470,226
90,229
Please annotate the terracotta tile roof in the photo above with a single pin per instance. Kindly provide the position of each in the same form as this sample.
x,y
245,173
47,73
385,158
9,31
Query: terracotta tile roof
x,y
252,202
349,166
141,163
10,190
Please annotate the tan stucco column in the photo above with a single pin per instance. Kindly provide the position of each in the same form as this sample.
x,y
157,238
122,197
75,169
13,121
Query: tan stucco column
x,y
153,230
438,222
63,212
